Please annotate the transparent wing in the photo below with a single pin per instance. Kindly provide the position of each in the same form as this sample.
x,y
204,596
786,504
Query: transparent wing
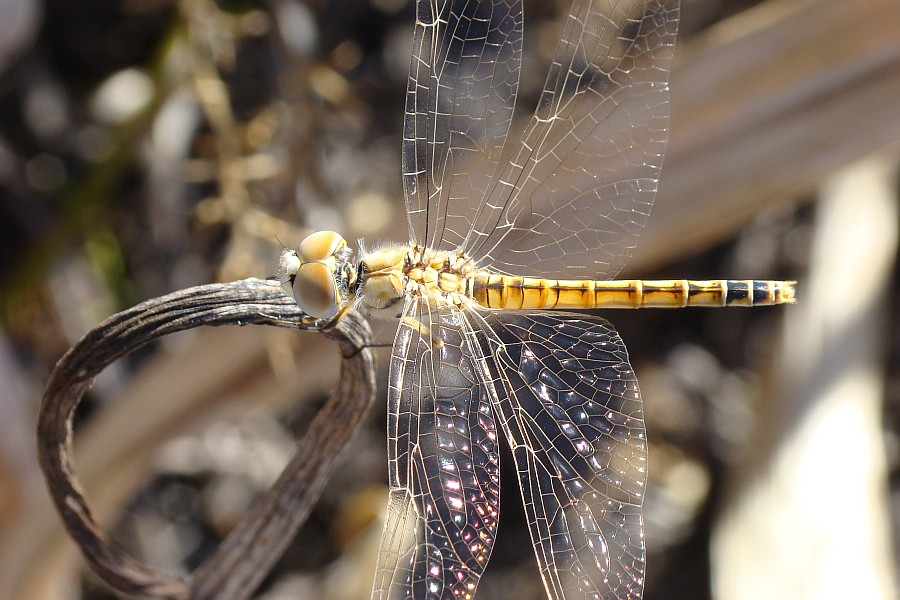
x,y
579,187
443,463
462,86
570,406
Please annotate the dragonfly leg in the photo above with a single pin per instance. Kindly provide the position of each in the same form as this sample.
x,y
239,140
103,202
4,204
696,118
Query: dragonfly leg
x,y
423,330
332,323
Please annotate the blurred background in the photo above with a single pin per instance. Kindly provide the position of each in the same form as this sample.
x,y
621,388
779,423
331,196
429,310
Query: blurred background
x,y
152,145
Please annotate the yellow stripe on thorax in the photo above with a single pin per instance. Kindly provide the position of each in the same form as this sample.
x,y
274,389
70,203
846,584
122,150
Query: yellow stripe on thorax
x,y
515,293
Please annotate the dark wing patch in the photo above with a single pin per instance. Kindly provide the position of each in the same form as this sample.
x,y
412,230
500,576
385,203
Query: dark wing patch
x,y
443,462
570,406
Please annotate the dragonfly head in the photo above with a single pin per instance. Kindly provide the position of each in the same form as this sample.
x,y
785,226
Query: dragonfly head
x,y
318,275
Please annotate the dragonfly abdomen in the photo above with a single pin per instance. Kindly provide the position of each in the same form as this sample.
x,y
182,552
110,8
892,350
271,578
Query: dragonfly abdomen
x,y
513,293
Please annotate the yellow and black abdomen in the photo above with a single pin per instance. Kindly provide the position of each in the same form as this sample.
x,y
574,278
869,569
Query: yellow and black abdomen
x,y
515,293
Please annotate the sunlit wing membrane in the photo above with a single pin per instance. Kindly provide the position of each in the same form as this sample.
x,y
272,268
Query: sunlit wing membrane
x,y
570,407
443,463
579,188
462,86
571,203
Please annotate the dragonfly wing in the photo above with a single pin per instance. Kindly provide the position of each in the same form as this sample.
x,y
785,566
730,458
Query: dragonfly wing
x,y
462,86
579,188
443,462
570,406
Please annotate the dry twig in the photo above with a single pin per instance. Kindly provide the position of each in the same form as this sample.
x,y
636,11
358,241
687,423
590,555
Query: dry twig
x,y
249,552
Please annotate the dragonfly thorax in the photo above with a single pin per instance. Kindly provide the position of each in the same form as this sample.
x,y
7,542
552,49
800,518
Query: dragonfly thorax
x,y
388,275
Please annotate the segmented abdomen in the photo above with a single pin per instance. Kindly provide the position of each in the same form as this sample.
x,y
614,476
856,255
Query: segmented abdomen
x,y
509,292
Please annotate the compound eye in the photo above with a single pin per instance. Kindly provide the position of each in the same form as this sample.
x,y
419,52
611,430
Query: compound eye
x,y
319,246
316,291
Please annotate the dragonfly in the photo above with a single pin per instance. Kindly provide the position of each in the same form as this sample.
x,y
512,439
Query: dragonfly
x,y
504,239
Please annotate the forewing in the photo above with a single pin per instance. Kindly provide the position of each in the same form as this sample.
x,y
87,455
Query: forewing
x,y
462,86
579,188
443,462
570,406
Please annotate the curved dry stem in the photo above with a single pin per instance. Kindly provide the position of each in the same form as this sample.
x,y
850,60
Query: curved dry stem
x,y
244,558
